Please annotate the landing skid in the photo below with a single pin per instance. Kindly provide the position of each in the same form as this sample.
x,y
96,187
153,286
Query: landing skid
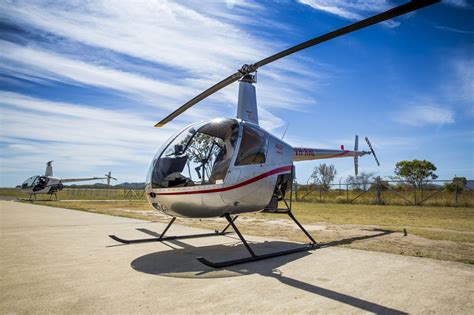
x,y
162,236
254,257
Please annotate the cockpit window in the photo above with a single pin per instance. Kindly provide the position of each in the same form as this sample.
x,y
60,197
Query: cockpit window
x,y
35,182
253,147
199,155
29,182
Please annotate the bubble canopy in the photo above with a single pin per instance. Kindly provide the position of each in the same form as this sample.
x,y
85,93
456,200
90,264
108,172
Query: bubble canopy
x,y
200,154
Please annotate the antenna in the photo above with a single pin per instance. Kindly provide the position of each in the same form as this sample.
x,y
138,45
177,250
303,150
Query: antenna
x,y
284,133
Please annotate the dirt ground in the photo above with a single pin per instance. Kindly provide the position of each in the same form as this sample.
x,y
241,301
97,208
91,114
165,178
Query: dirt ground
x,y
366,237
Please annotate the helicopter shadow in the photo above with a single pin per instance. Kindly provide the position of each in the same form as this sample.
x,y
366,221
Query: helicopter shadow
x,y
180,261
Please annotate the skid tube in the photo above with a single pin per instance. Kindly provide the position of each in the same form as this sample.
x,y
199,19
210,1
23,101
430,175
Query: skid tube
x,y
162,236
254,257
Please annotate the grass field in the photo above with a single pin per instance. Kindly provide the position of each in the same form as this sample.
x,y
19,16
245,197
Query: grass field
x,y
436,232
80,194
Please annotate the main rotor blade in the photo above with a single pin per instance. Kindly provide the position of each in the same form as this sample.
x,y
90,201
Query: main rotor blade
x,y
392,13
230,79
247,69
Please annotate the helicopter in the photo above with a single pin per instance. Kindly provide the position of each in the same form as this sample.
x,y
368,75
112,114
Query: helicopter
x,y
228,166
47,184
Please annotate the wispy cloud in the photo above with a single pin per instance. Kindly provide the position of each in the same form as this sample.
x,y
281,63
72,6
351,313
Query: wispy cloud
x,y
421,115
146,30
457,3
37,63
351,10
464,73
455,30
36,130
457,87
165,35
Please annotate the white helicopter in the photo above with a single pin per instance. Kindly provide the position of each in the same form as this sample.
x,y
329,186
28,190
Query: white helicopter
x,y
228,166
47,184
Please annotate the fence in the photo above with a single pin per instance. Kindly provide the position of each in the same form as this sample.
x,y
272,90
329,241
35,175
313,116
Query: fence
x,y
435,193
103,194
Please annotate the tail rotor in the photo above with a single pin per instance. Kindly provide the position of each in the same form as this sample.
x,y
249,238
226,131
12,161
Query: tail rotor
x,y
109,177
372,151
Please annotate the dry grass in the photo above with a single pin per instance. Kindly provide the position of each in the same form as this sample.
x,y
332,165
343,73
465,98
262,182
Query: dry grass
x,y
428,198
77,194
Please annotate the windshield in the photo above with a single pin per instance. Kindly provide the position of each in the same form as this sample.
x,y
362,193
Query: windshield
x,y
29,183
201,154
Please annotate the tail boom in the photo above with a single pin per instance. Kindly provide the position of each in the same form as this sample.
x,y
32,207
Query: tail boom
x,y
307,154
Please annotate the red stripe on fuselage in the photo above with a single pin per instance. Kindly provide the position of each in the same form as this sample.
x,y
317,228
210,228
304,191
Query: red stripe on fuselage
x,y
247,182
339,154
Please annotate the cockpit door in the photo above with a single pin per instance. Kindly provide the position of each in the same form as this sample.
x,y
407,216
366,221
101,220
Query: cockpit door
x,y
248,165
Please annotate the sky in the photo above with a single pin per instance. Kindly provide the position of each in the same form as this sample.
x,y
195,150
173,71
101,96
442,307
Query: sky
x,y
83,83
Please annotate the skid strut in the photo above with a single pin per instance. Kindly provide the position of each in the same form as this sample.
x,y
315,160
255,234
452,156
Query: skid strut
x,y
162,236
254,257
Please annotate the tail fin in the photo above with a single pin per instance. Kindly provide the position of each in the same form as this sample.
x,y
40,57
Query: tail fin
x,y
49,169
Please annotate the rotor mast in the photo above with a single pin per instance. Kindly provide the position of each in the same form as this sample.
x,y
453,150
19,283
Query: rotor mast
x,y
247,104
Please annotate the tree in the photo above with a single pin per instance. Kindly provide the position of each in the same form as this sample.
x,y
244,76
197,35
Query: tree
x,y
323,175
361,181
383,185
457,184
202,150
415,172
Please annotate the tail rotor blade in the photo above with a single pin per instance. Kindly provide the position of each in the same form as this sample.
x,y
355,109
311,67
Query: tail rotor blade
x,y
356,165
372,150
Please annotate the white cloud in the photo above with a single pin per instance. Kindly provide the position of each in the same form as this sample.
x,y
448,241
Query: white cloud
x,y
352,10
35,131
124,48
455,30
37,63
162,32
458,85
464,72
421,115
457,3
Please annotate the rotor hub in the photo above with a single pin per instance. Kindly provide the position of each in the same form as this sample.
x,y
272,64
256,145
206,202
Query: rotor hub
x,y
247,69
249,78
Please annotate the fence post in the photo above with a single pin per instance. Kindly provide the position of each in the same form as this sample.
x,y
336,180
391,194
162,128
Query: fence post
x,y
296,191
414,194
320,194
347,193
421,191
378,191
457,194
